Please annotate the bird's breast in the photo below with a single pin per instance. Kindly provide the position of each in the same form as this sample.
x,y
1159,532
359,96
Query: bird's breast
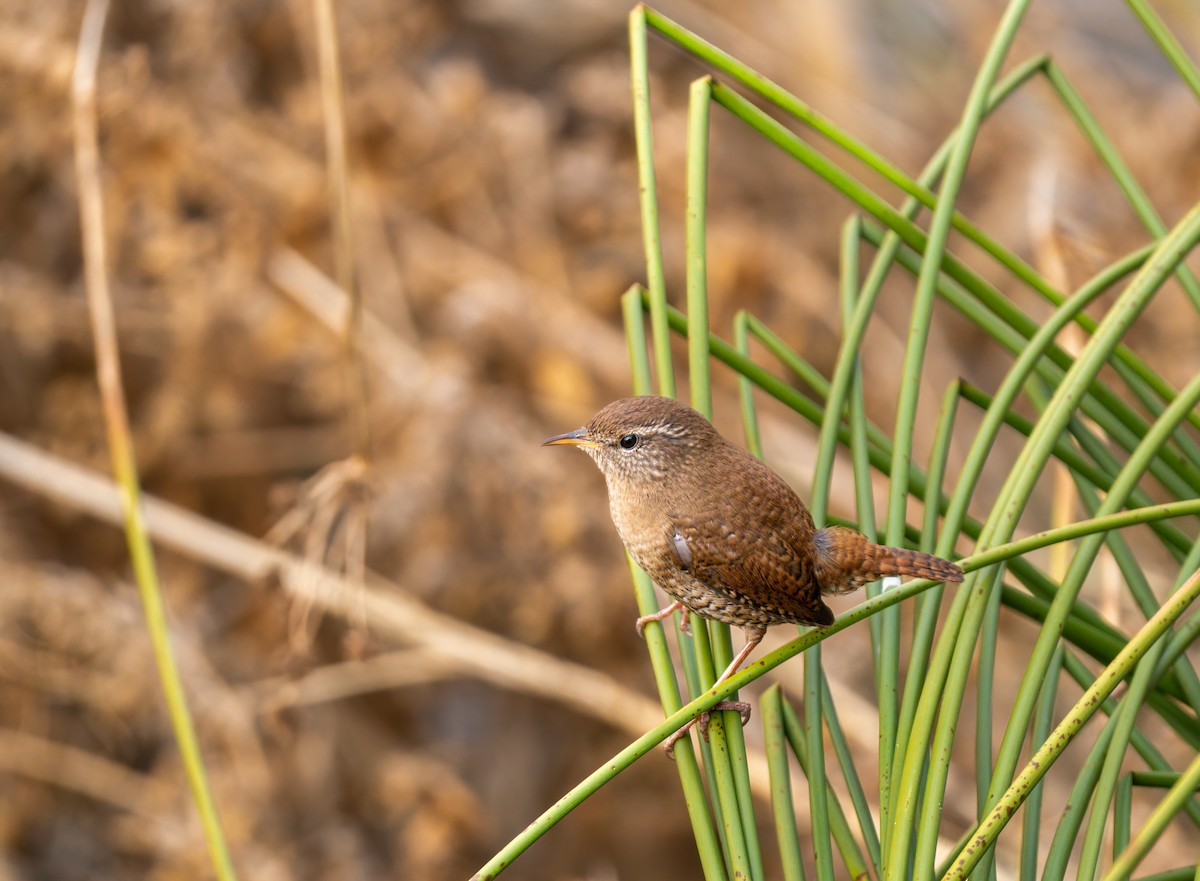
x,y
644,530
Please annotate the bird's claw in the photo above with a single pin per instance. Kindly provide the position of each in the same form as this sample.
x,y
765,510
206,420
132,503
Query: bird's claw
x,y
701,721
640,624
742,708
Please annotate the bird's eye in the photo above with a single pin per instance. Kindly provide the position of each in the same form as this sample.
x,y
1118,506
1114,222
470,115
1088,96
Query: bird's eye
x,y
629,441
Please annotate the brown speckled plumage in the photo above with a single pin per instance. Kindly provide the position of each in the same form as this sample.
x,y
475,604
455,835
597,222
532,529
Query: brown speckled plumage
x,y
719,531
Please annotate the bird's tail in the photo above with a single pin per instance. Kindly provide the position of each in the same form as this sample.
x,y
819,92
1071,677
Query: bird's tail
x,y
846,560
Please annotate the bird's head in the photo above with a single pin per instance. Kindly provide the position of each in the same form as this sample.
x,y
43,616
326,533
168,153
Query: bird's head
x,y
643,438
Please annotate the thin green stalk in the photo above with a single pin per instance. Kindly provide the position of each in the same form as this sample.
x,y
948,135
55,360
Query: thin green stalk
x,y
939,455
741,341
754,445
984,696
985,680
1114,757
738,837
906,416
822,480
696,234
739,763
818,782
1185,635
116,424
853,324
1162,814
648,192
813,694
835,403
807,373
1031,819
929,603
700,676
743,325
859,432
1184,873
1066,833
1122,814
858,797
733,729
852,857
775,746
1166,41
1159,779
1142,744
635,337
1089,126
692,651
987,831
860,444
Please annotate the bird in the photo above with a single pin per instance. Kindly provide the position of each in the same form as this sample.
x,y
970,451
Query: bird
x,y
724,536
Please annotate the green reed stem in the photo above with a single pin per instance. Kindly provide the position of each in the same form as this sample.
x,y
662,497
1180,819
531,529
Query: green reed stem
x,y
648,199
987,831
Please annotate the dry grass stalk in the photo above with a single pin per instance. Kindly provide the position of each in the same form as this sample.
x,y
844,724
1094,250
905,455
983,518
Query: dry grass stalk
x,y
85,773
393,614
116,417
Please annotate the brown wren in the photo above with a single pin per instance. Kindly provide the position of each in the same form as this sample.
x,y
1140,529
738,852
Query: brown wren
x,y
722,533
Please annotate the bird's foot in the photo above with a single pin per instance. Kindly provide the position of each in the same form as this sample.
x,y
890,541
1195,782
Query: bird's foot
x,y
640,623
702,721
685,619
742,708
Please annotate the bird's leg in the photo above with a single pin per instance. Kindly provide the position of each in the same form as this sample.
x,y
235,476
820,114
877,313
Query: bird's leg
x,y
640,623
754,635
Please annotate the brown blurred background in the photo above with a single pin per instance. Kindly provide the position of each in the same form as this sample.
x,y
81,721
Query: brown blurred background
x,y
496,224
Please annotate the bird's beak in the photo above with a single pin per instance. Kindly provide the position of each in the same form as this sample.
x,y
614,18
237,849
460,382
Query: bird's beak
x,y
578,438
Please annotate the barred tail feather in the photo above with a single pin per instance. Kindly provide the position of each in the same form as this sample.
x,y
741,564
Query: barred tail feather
x,y
846,560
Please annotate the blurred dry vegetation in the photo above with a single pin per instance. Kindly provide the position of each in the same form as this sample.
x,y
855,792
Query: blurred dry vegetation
x,y
496,223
